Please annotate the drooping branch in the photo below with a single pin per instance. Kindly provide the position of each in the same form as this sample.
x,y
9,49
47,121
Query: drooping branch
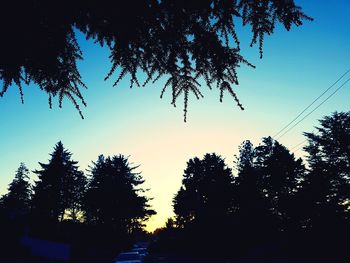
x,y
185,41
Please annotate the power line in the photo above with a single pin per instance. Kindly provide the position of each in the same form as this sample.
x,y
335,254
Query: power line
x,y
300,143
312,103
319,105
296,146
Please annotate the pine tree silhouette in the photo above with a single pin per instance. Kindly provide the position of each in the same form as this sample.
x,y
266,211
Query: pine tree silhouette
x,y
19,191
60,187
113,197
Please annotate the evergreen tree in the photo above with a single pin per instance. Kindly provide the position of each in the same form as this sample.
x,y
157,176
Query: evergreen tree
x,y
268,181
73,196
279,174
253,222
323,200
250,201
247,191
327,186
113,198
60,187
204,206
170,224
19,191
205,197
184,40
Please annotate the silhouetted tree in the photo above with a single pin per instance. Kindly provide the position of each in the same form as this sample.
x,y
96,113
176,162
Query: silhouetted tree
x,y
204,206
113,197
322,201
247,188
280,173
205,197
328,183
266,187
170,224
14,211
185,40
19,191
249,198
59,190
74,195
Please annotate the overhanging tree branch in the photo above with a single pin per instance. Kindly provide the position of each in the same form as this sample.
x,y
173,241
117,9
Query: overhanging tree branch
x,y
39,45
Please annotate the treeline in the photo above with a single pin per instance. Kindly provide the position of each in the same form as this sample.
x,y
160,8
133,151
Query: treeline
x,y
273,207
106,206
276,209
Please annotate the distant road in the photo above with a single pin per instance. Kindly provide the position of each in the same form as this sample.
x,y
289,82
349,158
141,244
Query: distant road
x,y
173,258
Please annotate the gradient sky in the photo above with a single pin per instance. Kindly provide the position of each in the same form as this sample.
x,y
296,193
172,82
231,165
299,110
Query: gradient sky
x,y
296,68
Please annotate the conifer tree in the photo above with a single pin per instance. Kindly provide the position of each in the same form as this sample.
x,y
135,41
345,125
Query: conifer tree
x,y
267,185
205,196
323,206
183,40
59,188
279,174
327,186
114,196
19,191
248,194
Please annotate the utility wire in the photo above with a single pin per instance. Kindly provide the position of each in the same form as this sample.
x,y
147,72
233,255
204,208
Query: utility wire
x,y
296,146
301,143
319,105
312,103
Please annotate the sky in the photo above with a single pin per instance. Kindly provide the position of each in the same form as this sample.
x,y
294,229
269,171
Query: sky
x,y
297,67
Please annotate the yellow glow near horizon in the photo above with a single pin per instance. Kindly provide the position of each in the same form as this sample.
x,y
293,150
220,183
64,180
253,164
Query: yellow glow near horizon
x,y
162,160
136,122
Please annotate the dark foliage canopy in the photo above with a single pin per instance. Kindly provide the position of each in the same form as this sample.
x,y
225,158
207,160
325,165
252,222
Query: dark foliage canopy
x,y
248,193
280,171
268,179
273,197
114,197
206,193
327,187
183,40
19,191
60,187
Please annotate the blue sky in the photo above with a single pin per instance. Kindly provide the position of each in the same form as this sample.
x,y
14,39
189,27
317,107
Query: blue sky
x,y
297,66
